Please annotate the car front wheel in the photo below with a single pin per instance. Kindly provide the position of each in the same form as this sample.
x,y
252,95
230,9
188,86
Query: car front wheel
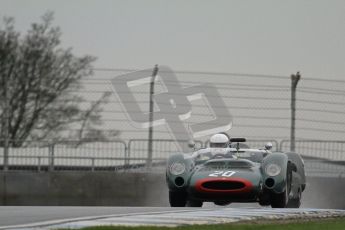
x,y
177,198
194,203
281,200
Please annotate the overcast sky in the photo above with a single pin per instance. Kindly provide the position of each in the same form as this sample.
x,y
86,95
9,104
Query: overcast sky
x,y
263,37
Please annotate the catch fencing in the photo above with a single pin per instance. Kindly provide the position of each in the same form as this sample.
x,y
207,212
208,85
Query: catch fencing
x,y
67,155
320,149
161,149
321,157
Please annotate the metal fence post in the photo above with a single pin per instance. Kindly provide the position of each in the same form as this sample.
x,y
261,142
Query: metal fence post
x,y
51,157
92,164
39,164
127,155
6,122
152,85
294,82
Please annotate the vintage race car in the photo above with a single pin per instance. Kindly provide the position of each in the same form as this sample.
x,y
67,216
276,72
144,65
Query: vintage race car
x,y
236,174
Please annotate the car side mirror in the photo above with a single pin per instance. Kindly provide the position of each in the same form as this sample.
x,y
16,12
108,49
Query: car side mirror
x,y
268,146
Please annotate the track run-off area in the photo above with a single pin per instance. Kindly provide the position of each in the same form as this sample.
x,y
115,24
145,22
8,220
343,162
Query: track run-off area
x,y
46,218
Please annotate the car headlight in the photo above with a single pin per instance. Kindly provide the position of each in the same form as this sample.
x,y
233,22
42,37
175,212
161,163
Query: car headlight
x,y
273,169
177,168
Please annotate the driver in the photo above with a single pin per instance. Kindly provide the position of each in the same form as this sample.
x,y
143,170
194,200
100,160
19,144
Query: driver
x,y
219,140
219,144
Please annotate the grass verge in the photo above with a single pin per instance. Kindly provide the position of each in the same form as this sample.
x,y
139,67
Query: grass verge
x,y
331,224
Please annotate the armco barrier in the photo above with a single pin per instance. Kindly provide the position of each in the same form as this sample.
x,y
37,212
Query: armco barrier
x,y
82,189
127,189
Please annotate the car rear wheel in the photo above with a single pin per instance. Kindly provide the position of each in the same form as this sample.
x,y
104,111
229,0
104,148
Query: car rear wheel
x,y
281,200
177,198
296,201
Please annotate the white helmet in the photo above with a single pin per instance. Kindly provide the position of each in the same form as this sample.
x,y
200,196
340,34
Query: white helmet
x,y
219,140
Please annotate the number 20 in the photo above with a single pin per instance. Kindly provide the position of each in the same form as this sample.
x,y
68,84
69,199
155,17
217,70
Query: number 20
x,y
222,173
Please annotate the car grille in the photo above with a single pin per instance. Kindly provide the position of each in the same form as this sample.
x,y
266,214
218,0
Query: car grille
x,y
223,185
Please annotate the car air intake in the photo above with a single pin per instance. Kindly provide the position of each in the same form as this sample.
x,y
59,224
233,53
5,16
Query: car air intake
x,y
223,185
228,164
240,164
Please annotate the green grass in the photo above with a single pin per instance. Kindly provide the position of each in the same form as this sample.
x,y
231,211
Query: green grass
x,y
333,224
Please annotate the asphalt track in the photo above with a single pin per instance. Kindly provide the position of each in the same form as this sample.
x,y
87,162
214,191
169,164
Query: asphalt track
x,y
19,215
46,218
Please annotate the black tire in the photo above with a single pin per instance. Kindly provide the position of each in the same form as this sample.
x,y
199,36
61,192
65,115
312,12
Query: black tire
x,y
265,200
222,203
264,203
194,203
281,200
177,198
